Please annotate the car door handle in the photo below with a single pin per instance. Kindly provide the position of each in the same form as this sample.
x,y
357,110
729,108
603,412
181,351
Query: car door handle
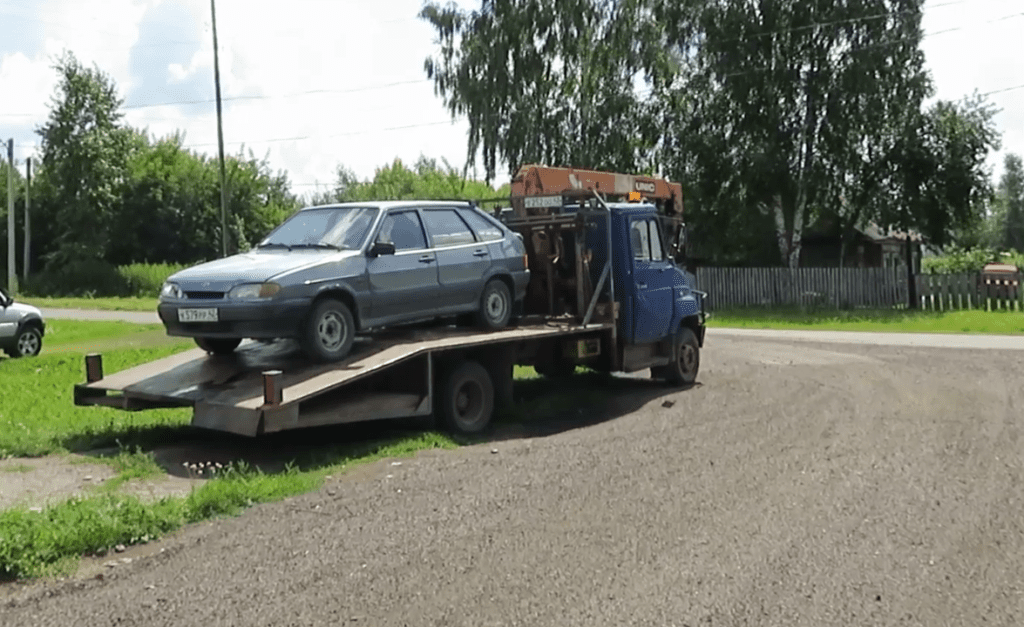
x,y
426,258
480,253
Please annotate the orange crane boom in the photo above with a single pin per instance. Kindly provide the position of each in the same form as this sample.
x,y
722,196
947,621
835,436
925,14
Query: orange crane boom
x,y
538,187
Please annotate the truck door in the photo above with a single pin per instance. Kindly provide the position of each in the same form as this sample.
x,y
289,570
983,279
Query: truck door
x,y
652,282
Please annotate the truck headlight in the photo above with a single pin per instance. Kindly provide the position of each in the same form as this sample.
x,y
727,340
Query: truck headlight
x,y
254,290
170,290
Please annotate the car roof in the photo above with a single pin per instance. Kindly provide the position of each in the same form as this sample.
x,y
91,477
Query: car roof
x,y
391,204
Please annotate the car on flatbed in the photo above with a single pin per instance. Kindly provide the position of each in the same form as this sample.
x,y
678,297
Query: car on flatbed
x,y
329,272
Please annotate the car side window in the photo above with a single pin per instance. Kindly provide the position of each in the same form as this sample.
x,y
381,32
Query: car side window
x,y
404,230
657,253
640,236
485,230
446,228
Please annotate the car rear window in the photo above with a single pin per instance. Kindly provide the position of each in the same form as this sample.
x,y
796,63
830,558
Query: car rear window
x,y
446,228
485,230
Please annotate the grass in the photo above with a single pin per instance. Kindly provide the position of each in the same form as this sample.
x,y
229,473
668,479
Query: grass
x,y
38,415
971,321
38,543
131,303
68,332
16,468
130,464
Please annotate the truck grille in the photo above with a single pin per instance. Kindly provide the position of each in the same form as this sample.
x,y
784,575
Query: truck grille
x,y
204,295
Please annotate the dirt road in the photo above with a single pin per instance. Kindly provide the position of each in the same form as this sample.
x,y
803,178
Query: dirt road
x,y
799,484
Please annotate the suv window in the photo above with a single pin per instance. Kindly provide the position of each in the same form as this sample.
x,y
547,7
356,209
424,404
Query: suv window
x,y
404,230
485,229
446,228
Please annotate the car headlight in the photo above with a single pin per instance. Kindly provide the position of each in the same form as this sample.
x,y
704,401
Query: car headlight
x,y
254,290
170,290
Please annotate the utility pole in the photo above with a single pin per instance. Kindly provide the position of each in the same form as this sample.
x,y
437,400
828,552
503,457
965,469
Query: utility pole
x,y
220,139
28,228
12,277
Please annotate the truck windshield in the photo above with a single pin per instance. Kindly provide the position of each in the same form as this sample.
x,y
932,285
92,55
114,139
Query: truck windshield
x,y
328,227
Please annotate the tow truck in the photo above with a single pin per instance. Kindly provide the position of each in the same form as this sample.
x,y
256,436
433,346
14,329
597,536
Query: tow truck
x,y
605,292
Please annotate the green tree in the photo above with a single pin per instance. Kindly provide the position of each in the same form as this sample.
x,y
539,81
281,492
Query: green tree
x,y
1011,197
551,81
84,159
427,180
792,105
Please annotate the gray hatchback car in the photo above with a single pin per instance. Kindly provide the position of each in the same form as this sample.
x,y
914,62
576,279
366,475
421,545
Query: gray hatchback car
x,y
329,272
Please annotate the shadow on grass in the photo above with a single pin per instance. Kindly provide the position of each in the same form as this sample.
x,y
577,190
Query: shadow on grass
x,y
541,408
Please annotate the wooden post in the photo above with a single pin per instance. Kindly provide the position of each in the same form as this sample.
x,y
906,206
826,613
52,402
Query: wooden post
x,y
273,390
28,229
93,367
12,276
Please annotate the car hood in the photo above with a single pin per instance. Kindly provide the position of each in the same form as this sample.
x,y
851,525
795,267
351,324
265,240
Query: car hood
x,y
255,266
21,310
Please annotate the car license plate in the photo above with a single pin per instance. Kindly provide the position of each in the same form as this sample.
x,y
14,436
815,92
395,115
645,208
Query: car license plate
x,y
197,315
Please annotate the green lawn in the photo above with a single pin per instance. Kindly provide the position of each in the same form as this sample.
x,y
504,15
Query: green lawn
x,y
106,304
72,332
997,322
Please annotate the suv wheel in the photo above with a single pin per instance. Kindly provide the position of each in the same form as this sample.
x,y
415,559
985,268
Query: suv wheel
x,y
330,331
495,305
28,343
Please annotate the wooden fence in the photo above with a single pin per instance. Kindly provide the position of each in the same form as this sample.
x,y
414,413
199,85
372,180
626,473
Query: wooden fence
x,y
947,292
804,287
877,288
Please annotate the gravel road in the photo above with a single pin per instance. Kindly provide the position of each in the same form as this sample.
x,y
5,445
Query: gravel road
x,y
800,483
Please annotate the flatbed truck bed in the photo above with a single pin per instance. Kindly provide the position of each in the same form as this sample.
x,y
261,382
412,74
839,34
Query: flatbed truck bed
x,y
269,387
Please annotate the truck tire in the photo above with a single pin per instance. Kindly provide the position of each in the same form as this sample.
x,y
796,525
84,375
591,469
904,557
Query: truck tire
x,y
683,368
495,306
465,399
28,343
329,332
218,346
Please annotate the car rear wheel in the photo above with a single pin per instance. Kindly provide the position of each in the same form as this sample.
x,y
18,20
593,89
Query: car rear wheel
x,y
329,331
28,343
495,306
218,346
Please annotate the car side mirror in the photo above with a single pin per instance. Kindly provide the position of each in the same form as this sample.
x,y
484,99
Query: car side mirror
x,y
382,248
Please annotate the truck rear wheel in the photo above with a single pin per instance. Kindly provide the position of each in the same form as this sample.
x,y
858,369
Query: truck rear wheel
x,y
466,398
685,364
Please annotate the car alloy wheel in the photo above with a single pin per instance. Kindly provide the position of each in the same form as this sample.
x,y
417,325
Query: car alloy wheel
x,y
29,343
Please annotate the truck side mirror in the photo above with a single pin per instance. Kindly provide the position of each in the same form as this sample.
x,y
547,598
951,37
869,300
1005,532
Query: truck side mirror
x,y
382,248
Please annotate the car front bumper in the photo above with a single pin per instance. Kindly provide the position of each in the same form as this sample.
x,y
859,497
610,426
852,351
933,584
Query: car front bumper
x,y
242,319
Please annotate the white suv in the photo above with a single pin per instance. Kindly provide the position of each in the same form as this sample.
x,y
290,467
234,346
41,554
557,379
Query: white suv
x,y
21,327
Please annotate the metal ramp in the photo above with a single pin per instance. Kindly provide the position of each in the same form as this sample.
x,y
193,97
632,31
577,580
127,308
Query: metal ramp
x,y
263,388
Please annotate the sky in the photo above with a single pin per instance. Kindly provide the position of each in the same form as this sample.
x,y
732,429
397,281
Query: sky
x,y
314,84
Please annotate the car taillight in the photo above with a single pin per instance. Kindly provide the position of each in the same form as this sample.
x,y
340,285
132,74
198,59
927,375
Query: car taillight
x,y
526,261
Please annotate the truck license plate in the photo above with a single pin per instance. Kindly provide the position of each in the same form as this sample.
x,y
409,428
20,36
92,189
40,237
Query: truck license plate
x,y
197,315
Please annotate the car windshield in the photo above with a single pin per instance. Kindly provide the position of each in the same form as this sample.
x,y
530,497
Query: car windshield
x,y
327,227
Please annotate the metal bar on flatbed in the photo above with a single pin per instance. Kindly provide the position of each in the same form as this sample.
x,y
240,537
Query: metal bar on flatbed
x,y
597,292
93,367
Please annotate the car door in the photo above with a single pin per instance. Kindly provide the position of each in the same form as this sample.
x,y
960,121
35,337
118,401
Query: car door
x,y
8,319
462,261
652,277
403,285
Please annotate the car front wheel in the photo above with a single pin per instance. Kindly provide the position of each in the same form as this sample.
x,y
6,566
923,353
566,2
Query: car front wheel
x,y
28,343
329,332
495,305
218,346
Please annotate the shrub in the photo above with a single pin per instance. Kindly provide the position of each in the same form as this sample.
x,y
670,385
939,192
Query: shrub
x,y
146,279
86,277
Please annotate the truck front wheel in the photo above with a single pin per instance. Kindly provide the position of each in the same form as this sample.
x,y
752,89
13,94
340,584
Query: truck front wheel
x,y
466,398
685,364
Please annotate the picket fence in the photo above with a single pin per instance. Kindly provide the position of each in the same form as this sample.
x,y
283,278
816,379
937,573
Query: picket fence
x,y
875,288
